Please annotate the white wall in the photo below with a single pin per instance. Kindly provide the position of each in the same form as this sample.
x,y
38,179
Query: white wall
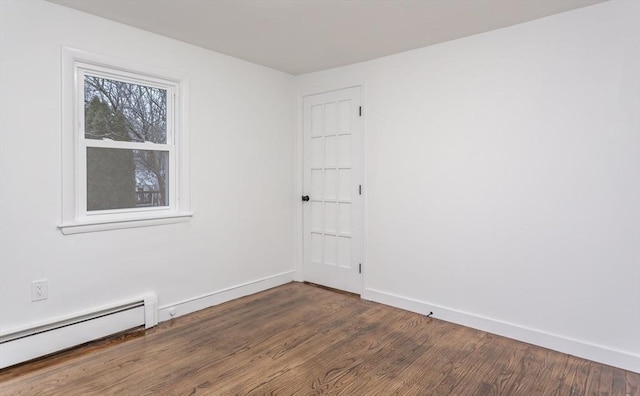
x,y
503,182
241,161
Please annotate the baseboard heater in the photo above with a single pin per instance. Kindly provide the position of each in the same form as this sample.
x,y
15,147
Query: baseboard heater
x,y
21,345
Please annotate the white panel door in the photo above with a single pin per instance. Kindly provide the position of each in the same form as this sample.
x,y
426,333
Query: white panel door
x,y
332,215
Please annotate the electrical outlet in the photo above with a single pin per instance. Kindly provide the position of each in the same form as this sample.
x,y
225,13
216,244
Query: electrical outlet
x,y
39,290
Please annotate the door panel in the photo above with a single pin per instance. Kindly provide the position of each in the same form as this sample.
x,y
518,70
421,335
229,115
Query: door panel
x,y
332,218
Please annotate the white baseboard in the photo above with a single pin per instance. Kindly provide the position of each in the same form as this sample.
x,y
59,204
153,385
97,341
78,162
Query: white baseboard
x,y
597,353
220,296
37,341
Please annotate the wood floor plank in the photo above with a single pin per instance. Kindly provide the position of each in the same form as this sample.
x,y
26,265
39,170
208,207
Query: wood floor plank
x,y
495,364
299,339
358,346
506,373
619,385
566,382
606,381
278,353
531,366
457,367
593,381
581,377
633,384
380,364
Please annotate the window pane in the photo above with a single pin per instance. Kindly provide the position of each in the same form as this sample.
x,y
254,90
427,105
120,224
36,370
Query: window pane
x,y
122,178
122,111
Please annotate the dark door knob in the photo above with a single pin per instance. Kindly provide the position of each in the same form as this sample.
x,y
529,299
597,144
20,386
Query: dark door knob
x,y
305,198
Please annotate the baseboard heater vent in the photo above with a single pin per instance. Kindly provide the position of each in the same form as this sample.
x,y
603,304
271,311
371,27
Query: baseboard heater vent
x,y
21,345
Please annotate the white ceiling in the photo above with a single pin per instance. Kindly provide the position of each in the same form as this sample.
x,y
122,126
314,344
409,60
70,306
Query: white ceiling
x,y
302,36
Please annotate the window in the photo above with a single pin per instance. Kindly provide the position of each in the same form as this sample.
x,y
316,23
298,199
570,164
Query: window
x,y
124,145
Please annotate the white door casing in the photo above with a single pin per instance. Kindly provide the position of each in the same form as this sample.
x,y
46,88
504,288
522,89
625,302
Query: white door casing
x,y
332,179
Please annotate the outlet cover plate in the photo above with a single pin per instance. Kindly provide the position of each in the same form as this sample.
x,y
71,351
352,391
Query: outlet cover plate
x,y
39,290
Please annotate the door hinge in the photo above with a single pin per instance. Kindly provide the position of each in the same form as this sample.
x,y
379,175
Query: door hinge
x,y
360,111
360,268
360,189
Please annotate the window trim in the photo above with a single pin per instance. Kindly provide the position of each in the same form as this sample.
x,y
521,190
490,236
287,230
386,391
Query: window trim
x,y
75,217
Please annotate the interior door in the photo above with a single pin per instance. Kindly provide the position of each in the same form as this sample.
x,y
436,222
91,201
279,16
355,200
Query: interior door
x,y
332,200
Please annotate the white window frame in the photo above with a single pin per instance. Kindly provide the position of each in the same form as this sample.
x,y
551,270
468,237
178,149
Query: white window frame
x,y
75,216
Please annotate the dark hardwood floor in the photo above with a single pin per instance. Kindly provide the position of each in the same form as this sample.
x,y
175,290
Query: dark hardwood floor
x,y
299,339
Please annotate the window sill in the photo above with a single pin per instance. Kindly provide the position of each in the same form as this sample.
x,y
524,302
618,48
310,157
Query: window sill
x,y
79,228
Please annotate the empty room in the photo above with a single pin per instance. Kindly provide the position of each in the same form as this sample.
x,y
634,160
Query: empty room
x,y
309,197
